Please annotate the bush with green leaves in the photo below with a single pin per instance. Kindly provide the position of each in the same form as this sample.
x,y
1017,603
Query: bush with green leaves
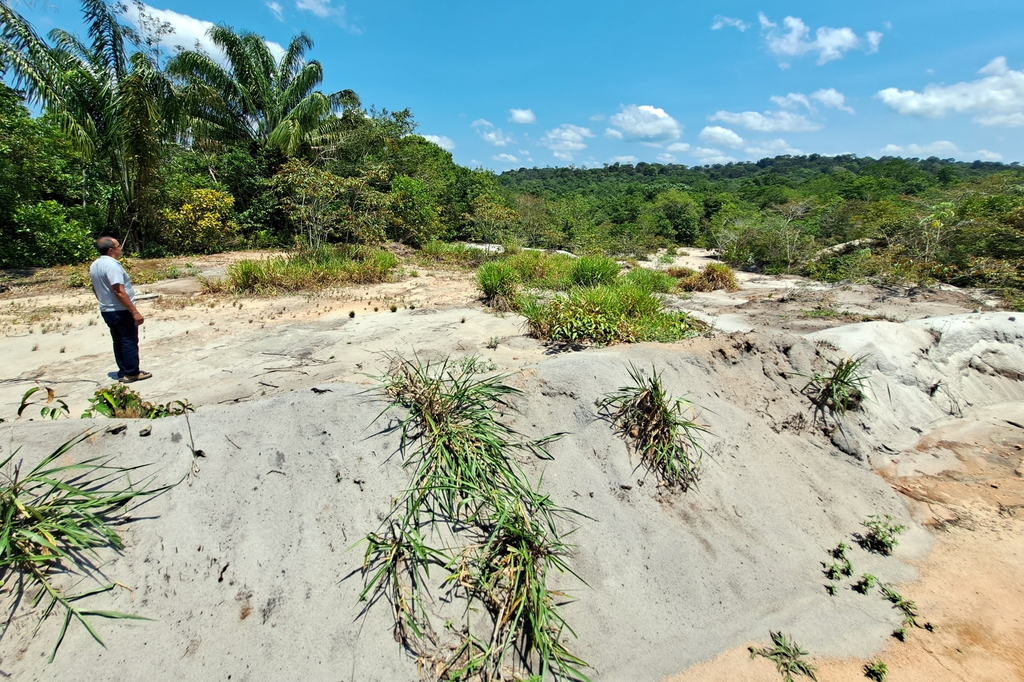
x,y
45,234
655,281
711,277
787,656
310,270
121,402
664,431
499,282
623,313
876,670
467,486
55,520
840,391
203,223
881,534
593,271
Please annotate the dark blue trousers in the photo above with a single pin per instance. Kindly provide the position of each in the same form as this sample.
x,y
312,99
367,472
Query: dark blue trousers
x,y
125,334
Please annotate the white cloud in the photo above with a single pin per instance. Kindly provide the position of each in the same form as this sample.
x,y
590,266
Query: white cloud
x,y
643,123
598,117
997,98
566,140
722,22
441,141
666,158
986,155
793,100
832,98
709,156
521,116
325,10
829,43
943,148
507,158
623,159
489,134
189,32
717,135
768,122
772,148
277,10
678,147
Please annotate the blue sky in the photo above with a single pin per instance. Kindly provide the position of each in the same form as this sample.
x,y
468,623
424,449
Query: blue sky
x,y
504,85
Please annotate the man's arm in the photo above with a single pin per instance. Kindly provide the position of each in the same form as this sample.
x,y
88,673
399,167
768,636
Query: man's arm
x,y
122,297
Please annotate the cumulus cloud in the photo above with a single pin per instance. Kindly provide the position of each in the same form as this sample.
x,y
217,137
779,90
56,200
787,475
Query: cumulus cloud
x,y
506,158
986,155
643,123
769,121
678,147
997,98
277,10
521,116
623,159
708,156
566,140
793,100
325,10
793,39
666,158
833,99
441,141
717,135
722,22
771,148
938,148
490,134
188,33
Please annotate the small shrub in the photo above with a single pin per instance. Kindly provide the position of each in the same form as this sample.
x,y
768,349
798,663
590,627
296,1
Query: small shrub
x,y
881,534
650,280
541,270
120,402
76,280
876,671
840,566
203,223
52,408
680,273
712,277
663,430
311,269
866,582
593,271
839,391
903,605
499,283
787,657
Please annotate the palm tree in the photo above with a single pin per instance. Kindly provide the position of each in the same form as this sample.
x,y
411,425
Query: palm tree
x,y
256,98
108,95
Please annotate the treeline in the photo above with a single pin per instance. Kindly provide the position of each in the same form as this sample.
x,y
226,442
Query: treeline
x,y
197,154
833,218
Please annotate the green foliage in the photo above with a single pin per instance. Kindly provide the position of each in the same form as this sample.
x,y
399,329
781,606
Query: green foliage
x,y
654,281
605,315
541,270
787,656
712,277
866,582
120,402
876,670
901,604
52,408
311,270
466,480
55,519
44,234
840,566
663,430
592,271
203,223
499,282
881,534
839,391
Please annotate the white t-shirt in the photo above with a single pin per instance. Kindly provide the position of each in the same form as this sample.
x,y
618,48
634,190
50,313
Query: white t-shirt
x,y
105,272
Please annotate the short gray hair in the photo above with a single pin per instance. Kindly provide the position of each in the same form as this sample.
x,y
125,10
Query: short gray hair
x,y
104,244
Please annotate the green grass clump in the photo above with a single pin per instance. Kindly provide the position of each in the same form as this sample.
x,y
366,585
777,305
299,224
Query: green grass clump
x,y
593,271
839,391
54,520
468,488
787,656
541,270
881,534
499,282
447,253
663,430
606,315
652,280
309,270
876,670
712,277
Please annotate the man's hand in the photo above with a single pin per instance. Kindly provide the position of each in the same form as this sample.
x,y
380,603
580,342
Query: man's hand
x,y
139,319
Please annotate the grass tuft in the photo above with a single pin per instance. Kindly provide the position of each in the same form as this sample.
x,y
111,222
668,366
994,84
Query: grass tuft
x,y
840,391
881,534
650,280
663,430
307,270
55,519
787,657
499,282
594,271
712,277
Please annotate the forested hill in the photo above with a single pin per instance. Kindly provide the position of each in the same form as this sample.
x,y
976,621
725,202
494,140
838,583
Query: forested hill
x,y
826,175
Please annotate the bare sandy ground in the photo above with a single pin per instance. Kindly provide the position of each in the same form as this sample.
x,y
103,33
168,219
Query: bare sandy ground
x,y
673,581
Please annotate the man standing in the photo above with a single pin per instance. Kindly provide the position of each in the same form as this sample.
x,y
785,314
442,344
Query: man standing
x,y
113,288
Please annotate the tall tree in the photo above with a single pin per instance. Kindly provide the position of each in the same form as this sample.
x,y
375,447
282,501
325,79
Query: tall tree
x,y
108,95
255,98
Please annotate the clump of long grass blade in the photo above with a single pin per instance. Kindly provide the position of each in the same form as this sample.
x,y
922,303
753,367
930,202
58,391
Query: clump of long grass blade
x,y
787,656
839,391
664,431
55,519
508,572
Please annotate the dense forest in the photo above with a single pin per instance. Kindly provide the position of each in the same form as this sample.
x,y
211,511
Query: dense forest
x,y
193,153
